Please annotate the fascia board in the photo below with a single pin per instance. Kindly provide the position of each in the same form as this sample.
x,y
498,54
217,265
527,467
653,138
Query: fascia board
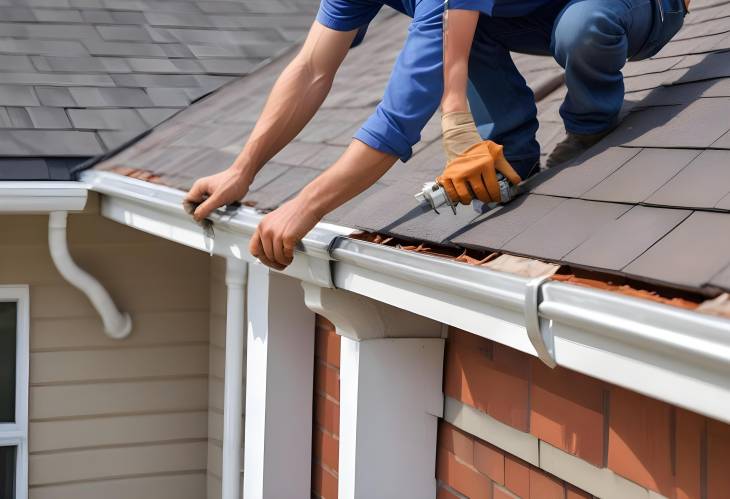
x,y
42,197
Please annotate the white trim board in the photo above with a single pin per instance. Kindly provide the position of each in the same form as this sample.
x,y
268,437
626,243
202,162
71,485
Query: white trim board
x,y
16,434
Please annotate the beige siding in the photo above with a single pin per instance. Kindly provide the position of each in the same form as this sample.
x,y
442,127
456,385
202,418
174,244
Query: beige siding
x,y
114,419
216,361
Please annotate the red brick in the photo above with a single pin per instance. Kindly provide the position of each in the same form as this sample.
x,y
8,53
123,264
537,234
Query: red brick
x,y
327,342
324,484
572,492
689,429
462,477
444,493
488,376
517,476
500,493
718,457
566,410
489,461
327,414
326,448
544,486
457,442
639,442
327,380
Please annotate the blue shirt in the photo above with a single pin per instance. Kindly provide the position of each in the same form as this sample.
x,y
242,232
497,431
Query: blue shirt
x,y
415,87
416,84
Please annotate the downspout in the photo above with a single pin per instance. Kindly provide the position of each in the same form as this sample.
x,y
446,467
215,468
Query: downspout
x,y
117,325
236,277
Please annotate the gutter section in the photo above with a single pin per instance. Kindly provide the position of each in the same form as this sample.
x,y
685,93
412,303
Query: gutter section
x,y
42,197
664,352
667,353
158,210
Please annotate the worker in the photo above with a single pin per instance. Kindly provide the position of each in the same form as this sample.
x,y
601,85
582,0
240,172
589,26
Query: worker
x,y
590,39
576,31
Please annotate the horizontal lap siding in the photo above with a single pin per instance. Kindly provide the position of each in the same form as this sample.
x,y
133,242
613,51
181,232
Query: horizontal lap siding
x,y
108,418
217,357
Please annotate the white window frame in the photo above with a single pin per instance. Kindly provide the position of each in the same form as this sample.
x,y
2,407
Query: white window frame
x,y
16,434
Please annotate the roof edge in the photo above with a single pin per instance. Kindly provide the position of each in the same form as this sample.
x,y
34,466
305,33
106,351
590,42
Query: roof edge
x,y
671,354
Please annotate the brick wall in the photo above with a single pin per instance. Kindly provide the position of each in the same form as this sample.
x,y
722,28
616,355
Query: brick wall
x,y
469,467
663,448
326,430
675,452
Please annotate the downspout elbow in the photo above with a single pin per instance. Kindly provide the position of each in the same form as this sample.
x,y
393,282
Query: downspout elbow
x,y
117,325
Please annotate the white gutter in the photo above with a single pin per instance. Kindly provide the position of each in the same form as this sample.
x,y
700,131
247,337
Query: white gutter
x,y
42,197
116,324
667,353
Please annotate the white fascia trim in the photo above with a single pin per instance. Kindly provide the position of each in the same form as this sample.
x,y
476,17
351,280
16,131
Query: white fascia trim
x,y
667,353
42,197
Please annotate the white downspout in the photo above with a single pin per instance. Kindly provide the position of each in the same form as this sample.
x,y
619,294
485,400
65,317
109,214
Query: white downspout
x,y
236,277
117,325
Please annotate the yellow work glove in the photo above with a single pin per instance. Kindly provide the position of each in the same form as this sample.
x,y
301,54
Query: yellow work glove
x,y
458,133
474,174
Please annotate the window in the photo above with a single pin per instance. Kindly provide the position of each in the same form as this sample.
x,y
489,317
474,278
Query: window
x,y
14,392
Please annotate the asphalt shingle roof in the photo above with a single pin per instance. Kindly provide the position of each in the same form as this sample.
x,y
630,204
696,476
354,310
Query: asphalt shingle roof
x,y
651,201
81,77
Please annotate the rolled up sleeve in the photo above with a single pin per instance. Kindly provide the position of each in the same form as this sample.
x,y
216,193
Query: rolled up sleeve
x,y
480,5
346,15
415,87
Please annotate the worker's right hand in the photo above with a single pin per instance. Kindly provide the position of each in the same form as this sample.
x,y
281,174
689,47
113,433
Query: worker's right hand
x,y
458,133
214,191
474,174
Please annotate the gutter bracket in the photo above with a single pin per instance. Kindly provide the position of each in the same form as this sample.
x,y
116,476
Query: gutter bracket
x,y
541,338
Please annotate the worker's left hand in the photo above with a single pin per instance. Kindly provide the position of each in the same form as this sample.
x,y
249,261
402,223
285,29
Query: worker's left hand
x,y
474,174
279,232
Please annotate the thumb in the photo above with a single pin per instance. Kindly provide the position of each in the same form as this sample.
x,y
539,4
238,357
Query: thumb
x,y
206,207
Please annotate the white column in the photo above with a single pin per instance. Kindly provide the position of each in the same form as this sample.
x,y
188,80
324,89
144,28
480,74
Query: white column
x,y
279,387
233,388
390,396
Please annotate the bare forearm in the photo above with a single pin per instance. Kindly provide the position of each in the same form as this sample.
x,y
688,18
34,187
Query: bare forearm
x,y
293,101
356,170
459,33
295,98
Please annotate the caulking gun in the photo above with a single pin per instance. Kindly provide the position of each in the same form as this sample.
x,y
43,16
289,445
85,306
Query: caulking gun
x,y
435,195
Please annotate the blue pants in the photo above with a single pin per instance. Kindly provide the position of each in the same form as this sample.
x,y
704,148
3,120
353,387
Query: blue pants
x,y
590,39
